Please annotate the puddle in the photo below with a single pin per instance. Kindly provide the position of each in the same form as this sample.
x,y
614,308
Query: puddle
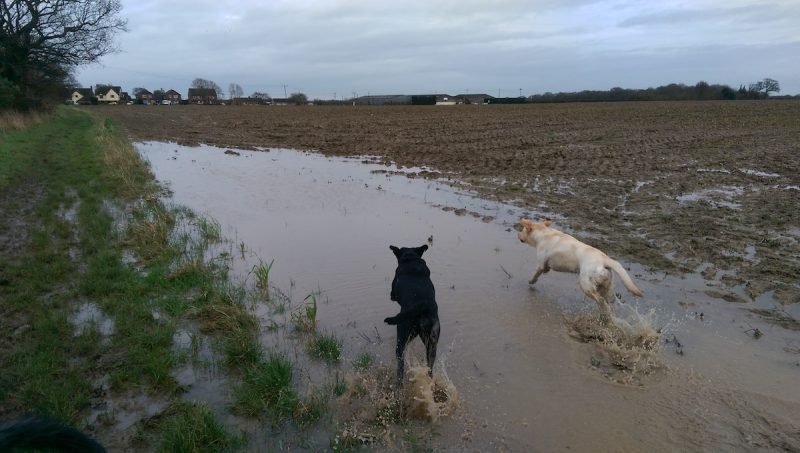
x,y
763,174
523,382
89,315
721,197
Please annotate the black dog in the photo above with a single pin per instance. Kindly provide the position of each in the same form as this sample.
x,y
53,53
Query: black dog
x,y
45,433
419,315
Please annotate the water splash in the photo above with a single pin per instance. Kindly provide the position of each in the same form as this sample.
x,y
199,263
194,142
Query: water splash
x,y
626,350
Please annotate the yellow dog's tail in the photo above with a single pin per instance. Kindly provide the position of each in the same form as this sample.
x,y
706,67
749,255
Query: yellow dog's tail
x,y
623,275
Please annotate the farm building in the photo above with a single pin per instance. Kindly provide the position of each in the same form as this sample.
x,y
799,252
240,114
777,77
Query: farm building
x,y
475,98
250,101
446,99
388,99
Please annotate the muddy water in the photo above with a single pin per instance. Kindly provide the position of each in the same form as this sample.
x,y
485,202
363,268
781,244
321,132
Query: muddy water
x,y
525,382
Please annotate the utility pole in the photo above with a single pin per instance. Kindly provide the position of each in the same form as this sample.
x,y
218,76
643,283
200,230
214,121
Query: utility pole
x,y
520,92
284,92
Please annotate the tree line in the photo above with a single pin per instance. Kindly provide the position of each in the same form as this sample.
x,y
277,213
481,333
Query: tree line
x,y
43,41
702,91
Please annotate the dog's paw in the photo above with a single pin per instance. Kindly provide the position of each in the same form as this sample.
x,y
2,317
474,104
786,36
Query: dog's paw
x,y
532,281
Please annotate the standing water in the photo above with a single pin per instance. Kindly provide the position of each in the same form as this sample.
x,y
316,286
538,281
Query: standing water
x,y
532,370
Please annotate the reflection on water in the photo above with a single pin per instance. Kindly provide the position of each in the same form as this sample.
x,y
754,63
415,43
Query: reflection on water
x,y
524,382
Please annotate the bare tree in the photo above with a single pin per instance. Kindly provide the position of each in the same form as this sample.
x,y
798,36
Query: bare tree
x,y
203,83
41,40
235,90
770,86
260,95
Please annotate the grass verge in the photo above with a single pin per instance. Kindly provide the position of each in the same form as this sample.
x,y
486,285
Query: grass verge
x,y
95,234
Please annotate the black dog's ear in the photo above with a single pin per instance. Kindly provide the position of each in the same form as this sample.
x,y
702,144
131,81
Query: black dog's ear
x,y
421,250
395,250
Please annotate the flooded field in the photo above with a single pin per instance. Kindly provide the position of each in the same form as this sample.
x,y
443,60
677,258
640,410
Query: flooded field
x,y
526,364
671,185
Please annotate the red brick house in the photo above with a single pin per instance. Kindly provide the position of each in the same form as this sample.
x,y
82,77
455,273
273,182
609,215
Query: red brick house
x,y
173,97
145,96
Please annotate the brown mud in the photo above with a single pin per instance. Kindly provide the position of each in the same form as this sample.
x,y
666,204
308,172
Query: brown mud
x,y
672,185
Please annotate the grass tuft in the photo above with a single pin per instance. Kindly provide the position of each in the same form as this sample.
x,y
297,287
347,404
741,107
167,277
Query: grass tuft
x,y
325,346
267,387
363,362
261,272
209,229
304,318
192,427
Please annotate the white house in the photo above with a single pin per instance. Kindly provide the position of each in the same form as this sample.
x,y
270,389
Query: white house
x,y
108,94
82,96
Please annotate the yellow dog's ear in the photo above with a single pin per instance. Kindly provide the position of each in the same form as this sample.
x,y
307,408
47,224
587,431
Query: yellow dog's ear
x,y
525,222
547,222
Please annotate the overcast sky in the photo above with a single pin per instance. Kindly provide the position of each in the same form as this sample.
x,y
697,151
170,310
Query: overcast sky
x,y
322,47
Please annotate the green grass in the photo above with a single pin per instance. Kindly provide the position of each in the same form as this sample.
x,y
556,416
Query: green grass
x,y
209,229
304,318
75,160
325,346
363,362
267,388
339,385
192,427
261,273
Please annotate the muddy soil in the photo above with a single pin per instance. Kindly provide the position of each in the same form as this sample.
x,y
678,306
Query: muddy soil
x,y
676,186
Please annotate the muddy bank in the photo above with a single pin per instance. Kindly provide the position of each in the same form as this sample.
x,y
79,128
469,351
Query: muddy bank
x,y
675,186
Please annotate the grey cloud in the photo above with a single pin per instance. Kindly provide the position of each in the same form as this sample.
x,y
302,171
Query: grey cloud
x,y
341,46
752,14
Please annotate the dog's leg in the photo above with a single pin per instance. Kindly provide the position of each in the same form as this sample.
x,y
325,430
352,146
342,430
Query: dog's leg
x,y
607,290
591,290
404,335
431,340
542,269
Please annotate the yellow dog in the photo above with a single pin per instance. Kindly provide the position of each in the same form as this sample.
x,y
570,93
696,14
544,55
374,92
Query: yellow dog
x,y
563,253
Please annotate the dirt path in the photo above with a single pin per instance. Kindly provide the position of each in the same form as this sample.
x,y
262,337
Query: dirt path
x,y
678,186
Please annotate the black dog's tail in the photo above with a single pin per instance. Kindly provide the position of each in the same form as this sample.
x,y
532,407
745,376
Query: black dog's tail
x,y
45,433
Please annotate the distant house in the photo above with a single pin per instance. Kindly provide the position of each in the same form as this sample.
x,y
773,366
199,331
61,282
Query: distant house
x,y
202,96
107,94
172,96
475,98
280,101
145,97
82,96
124,97
385,99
